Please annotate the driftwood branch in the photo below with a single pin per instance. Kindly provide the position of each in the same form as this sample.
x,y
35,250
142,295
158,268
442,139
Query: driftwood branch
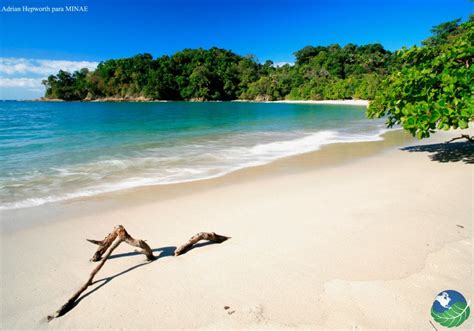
x,y
463,136
103,244
111,242
120,231
211,236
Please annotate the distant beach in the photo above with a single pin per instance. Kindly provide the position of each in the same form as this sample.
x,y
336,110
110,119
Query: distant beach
x,y
322,102
142,99
328,102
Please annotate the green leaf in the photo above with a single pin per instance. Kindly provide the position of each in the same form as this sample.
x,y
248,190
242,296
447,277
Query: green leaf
x,y
434,117
463,124
454,316
464,113
410,122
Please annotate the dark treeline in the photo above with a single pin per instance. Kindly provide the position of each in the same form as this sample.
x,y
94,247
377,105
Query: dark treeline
x,y
322,72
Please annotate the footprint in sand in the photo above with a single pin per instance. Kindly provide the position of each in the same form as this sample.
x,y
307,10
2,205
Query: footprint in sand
x,y
229,311
255,312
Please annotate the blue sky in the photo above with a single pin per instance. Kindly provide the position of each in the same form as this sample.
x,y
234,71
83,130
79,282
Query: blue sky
x,y
34,45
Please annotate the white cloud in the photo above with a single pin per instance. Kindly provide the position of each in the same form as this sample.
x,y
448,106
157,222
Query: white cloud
x,y
21,78
281,64
31,83
22,66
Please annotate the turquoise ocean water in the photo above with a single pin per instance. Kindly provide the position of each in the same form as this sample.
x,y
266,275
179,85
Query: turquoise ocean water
x,y
56,151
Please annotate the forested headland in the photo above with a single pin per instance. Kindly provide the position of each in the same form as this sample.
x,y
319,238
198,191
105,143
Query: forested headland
x,y
322,72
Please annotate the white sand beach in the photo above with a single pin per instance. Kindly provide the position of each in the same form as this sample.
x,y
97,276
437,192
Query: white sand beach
x,y
327,102
359,235
316,102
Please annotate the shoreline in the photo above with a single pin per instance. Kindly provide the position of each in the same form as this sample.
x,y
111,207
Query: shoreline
x,y
330,154
87,192
142,99
325,102
315,242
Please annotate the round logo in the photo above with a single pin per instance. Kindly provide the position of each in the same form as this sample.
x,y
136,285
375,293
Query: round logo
x,y
450,309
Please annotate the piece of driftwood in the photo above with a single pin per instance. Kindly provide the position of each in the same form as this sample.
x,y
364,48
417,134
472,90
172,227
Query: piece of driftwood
x,y
107,246
119,231
111,242
211,236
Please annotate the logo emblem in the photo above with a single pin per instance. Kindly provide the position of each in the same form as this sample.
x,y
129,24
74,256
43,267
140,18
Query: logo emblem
x,y
450,309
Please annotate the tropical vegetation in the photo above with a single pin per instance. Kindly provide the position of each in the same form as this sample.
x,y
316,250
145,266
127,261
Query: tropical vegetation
x,y
331,72
433,88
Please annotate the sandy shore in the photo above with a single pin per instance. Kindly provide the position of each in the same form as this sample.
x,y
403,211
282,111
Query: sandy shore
x,y
328,102
316,102
353,236
143,99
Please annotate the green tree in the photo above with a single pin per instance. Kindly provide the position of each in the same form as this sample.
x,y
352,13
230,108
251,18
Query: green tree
x,y
442,32
200,83
434,88
321,72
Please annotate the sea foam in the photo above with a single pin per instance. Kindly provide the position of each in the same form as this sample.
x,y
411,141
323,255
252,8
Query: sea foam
x,y
157,167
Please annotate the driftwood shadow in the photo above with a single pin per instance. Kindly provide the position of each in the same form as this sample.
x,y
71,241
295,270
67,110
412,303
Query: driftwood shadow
x,y
164,252
444,153
105,281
